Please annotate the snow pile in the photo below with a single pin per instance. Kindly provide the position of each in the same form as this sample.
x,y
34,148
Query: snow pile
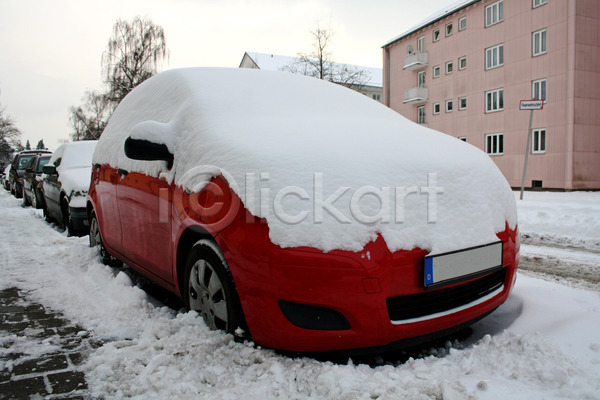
x,y
542,343
181,358
326,166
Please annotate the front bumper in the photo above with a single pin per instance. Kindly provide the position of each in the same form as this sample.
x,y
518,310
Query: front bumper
x,y
362,288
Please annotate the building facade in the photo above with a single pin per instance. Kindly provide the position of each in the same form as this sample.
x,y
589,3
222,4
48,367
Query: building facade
x,y
465,70
372,86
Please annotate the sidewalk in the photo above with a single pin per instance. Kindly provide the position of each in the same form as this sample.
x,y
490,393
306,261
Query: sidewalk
x,y
41,353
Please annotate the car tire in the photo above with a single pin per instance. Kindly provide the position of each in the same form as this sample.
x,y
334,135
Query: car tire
x,y
25,202
34,199
96,239
66,218
209,288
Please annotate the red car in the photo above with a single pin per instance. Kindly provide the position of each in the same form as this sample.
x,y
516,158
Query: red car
x,y
304,213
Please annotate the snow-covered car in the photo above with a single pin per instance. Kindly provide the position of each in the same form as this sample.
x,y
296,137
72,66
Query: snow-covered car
x,y
32,181
17,170
302,212
65,183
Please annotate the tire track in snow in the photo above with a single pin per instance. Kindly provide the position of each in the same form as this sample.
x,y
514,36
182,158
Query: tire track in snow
x,y
574,265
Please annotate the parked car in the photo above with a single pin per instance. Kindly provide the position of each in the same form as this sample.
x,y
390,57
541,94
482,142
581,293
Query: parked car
x,y
17,170
65,183
32,181
264,200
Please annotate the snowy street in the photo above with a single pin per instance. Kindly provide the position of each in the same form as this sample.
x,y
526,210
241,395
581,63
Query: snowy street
x,y
544,342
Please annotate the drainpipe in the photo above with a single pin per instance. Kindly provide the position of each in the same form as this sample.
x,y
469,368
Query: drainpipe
x,y
386,78
570,120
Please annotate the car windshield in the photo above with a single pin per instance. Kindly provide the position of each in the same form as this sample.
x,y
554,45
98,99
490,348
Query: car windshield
x,y
24,161
43,161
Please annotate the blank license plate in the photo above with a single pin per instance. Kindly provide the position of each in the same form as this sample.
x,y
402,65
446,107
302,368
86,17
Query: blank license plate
x,y
454,266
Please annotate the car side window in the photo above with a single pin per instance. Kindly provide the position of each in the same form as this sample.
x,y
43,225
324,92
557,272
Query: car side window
x,y
31,163
43,161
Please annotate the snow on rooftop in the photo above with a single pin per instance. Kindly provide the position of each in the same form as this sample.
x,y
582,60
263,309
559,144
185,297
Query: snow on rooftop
x,y
275,62
452,8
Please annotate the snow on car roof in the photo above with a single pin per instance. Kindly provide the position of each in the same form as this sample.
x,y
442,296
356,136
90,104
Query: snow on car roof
x,y
326,166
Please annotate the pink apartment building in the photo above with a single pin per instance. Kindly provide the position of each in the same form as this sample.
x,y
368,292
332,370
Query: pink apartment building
x,y
464,71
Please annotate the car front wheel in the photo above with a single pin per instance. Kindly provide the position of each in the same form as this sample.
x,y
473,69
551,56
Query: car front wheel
x,y
210,289
67,222
96,239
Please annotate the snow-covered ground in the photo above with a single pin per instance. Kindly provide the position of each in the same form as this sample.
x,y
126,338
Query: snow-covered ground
x,y
544,342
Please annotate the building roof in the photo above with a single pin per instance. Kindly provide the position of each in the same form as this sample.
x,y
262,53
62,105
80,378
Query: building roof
x,y
441,14
274,62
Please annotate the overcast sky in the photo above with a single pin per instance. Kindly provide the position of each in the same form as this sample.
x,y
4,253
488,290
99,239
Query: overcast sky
x,y
50,50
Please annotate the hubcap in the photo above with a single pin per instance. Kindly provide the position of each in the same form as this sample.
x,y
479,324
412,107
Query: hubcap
x,y
94,233
207,295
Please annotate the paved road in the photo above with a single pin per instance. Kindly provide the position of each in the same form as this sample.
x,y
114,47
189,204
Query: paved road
x,y
41,353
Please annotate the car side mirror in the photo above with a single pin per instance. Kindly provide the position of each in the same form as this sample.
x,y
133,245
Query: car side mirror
x,y
140,149
49,169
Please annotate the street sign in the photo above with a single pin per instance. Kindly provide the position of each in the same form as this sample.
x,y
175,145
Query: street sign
x,y
528,105
531,105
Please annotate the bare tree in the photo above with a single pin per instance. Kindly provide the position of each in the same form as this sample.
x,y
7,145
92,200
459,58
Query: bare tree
x,y
10,137
318,63
90,119
135,52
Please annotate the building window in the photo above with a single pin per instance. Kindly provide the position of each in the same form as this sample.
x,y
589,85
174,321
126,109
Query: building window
x,y
421,114
539,42
421,44
449,29
421,79
436,108
436,71
462,23
377,97
463,138
538,89
436,35
537,3
494,56
538,145
494,100
462,103
494,143
449,67
449,106
462,63
494,13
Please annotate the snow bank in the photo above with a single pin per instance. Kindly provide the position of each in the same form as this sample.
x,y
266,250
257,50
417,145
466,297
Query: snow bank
x,y
326,166
541,343
572,218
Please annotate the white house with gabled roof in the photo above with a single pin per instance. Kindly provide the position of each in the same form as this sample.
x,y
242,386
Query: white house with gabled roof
x,y
373,87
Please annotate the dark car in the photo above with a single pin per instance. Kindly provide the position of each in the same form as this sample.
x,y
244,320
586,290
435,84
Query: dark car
x,y
17,170
32,181
65,183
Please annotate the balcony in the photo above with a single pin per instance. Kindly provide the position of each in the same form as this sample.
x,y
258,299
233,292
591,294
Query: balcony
x,y
416,95
415,61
